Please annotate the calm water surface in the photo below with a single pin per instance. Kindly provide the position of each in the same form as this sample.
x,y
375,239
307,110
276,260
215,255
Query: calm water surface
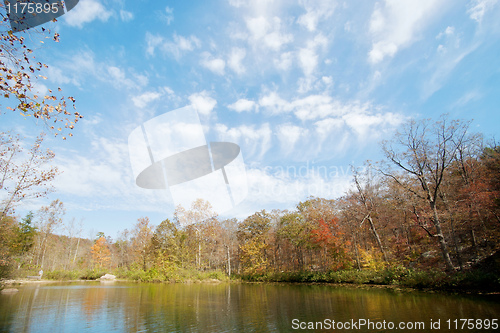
x,y
128,307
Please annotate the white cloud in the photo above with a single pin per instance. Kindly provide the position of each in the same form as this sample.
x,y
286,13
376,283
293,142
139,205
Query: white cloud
x,y
39,89
182,44
242,105
57,75
101,178
169,15
308,57
126,16
119,79
306,84
449,39
308,60
395,24
257,26
168,90
321,106
142,80
215,65
478,8
274,103
152,41
86,11
202,102
144,99
444,66
236,3
369,124
289,135
311,107
316,11
469,96
265,32
116,73
81,66
284,62
175,47
253,140
449,53
328,126
287,185
447,32
235,58
328,113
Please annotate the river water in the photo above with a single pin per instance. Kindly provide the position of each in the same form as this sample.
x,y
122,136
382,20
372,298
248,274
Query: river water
x,y
145,307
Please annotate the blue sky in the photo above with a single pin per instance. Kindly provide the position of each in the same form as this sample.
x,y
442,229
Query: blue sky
x,y
306,88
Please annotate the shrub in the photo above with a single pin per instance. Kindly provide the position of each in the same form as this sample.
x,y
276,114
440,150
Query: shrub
x,y
62,275
91,274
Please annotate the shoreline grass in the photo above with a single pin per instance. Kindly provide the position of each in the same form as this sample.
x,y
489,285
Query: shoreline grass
x,y
475,281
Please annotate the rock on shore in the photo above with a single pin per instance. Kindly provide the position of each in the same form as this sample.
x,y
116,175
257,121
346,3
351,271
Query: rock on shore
x,y
108,277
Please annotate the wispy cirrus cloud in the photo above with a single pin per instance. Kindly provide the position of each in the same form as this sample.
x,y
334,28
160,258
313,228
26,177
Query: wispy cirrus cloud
x,y
396,24
175,47
85,12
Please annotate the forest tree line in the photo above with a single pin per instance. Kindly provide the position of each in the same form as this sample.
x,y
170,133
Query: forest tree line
x,y
432,202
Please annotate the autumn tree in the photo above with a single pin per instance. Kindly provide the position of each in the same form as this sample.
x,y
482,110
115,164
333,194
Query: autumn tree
x,y
24,174
6,236
199,220
49,219
101,255
491,161
366,197
230,242
16,241
327,239
469,199
141,241
74,231
169,245
123,249
252,233
294,233
21,72
423,152
22,239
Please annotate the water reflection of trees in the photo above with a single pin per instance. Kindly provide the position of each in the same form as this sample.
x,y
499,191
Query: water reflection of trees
x,y
219,307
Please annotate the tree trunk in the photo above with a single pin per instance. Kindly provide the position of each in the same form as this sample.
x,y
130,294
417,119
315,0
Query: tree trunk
x,y
356,250
199,255
441,240
455,244
474,245
76,251
377,238
228,262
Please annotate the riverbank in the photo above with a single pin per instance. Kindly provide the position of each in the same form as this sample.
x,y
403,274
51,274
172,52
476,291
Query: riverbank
x,y
484,277
470,282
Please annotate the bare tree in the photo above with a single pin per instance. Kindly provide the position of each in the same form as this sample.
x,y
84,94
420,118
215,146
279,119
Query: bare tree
x,y
23,174
201,218
423,152
50,218
365,196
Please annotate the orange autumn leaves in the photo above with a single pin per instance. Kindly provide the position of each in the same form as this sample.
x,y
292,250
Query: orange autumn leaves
x,y
101,255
